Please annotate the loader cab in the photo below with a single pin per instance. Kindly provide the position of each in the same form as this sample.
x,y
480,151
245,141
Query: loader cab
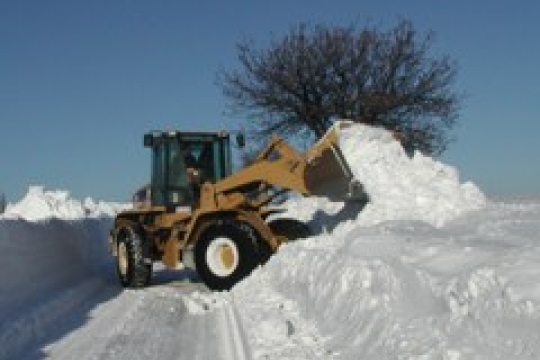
x,y
182,162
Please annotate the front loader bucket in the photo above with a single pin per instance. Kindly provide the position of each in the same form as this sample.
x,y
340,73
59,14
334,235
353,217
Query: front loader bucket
x,y
327,172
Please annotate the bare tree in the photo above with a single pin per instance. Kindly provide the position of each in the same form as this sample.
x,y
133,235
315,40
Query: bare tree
x,y
313,75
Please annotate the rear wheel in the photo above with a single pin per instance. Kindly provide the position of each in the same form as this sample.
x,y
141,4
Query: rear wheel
x,y
133,270
225,253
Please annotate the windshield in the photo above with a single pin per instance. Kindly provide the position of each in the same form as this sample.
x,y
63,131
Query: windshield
x,y
181,164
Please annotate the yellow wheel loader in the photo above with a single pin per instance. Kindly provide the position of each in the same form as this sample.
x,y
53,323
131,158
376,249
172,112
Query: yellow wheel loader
x,y
197,214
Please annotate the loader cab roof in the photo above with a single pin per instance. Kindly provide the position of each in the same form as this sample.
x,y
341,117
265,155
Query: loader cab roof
x,y
153,137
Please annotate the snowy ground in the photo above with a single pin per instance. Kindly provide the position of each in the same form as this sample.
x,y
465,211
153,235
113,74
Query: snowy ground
x,y
428,269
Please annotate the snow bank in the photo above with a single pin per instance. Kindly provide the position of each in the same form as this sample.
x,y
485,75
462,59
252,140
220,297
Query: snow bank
x,y
40,204
399,187
52,250
49,237
403,290
42,254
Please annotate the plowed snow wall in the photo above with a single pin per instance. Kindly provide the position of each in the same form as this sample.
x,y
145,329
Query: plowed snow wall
x,y
38,259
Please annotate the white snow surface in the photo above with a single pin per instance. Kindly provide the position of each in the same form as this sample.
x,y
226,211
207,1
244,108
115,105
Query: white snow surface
x,y
399,187
428,269
40,204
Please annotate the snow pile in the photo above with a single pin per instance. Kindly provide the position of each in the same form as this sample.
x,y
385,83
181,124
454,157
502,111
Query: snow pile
x,y
402,290
40,204
399,187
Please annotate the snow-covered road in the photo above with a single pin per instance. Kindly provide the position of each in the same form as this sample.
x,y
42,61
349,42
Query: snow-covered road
x,y
176,318
150,324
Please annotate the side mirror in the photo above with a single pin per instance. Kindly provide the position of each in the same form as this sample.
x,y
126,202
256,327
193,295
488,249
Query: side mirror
x,y
148,140
240,140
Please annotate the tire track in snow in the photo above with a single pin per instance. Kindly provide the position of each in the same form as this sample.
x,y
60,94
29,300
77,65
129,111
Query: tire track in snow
x,y
163,321
233,335
104,321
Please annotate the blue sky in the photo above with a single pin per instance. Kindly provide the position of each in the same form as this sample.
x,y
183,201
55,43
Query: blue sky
x,y
81,81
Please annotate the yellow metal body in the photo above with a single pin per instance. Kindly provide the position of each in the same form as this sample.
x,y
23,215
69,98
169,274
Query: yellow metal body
x,y
244,195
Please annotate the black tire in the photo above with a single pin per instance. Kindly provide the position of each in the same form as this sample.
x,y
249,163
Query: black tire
x,y
132,268
225,253
264,252
290,228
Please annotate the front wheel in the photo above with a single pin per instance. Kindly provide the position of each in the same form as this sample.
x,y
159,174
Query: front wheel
x,y
133,269
225,253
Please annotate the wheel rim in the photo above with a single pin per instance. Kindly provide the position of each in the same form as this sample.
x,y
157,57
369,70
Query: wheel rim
x,y
222,256
122,258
